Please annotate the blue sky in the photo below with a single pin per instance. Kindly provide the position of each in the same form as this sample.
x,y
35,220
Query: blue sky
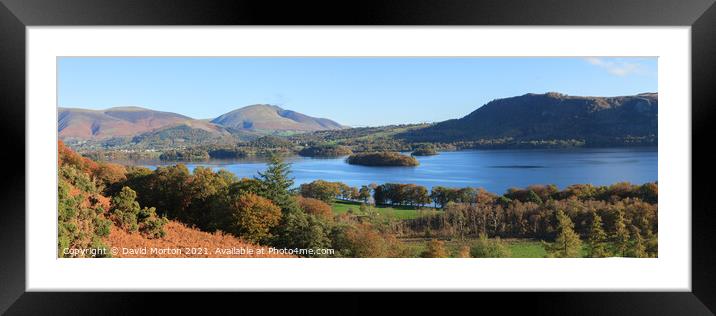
x,y
352,91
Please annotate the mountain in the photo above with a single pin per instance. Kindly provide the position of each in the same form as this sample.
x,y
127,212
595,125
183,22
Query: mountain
x,y
250,121
265,117
121,121
553,116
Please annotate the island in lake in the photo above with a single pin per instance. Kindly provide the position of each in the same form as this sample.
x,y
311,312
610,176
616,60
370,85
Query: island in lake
x,y
382,159
427,150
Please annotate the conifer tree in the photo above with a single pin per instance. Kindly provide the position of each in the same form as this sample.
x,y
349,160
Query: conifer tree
x,y
621,235
638,248
533,197
435,249
276,183
125,209
567,244
597,238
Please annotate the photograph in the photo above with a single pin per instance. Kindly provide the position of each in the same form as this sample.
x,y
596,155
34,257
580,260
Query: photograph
x,y
231,153
357,157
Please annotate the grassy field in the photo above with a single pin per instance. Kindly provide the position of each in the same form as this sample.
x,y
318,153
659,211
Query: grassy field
x,y
519,248
387,212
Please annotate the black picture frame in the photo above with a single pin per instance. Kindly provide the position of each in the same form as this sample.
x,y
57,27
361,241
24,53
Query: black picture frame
x,y
16,15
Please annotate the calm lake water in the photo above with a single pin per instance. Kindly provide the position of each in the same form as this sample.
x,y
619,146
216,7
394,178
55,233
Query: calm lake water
x,y
494,170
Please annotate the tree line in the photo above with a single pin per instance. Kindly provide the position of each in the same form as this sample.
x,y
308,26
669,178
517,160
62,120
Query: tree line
x,y
617,222
614,220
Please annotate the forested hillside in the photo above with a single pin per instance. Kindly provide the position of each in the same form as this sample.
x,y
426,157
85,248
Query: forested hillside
x,y
628,120
95,216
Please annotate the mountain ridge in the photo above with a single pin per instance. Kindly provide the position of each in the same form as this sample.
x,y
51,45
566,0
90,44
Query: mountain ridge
x,y
551,116
273,117
132,121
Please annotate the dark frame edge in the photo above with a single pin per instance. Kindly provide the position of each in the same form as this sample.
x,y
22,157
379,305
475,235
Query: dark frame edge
x,y
703,73
12,126
12,218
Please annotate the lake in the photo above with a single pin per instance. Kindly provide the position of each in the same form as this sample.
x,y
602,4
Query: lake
x,y
494,170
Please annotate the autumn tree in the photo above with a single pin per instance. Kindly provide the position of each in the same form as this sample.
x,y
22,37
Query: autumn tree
x,y
652,246
245,185
108,174
489,248
361,241
435,249
649,192
463,252
364,193
315,207
164,188
440,196
320,189
467,195
417,195
300,230
81,224
597,238
401,194
567,244
201,191
252,217
348,192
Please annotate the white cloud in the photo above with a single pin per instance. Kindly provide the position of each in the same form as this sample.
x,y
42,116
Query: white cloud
x,y
617,67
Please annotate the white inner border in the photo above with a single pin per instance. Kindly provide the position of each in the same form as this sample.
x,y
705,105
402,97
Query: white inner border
x,y
671,271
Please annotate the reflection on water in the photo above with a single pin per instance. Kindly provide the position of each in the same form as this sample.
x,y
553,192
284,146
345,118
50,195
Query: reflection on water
x,y
494,170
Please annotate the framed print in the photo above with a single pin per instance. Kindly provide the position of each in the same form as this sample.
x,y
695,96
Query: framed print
x,y
460,146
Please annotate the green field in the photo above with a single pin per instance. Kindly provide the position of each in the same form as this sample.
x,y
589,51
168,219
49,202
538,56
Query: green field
x,y
519,248
387,212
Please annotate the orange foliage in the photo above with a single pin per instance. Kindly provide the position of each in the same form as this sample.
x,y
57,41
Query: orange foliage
x,y
68,156
179,236
253,217
110,172
89,200
103,171
74,191
315,207
102,201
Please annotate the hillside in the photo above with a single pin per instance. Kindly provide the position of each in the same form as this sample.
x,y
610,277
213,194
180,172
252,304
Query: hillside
x,y
86,124
264,117
91,217
179,135
552,116
179,236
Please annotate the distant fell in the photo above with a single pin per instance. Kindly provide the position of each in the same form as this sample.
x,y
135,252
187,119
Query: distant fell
x,y
120,121
553,116
265,117
132,121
